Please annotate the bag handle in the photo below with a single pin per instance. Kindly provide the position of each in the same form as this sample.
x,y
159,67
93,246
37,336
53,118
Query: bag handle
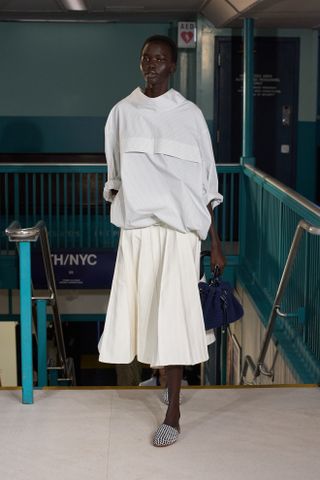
x,y
216,272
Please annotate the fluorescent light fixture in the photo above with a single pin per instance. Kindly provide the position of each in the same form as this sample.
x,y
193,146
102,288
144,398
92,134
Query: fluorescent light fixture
x,y
74,4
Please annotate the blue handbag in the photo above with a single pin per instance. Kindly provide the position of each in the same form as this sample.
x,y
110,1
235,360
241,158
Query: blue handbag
x,y
219,305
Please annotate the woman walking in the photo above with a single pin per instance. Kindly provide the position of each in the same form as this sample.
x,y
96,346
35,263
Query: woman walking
x,y
162,185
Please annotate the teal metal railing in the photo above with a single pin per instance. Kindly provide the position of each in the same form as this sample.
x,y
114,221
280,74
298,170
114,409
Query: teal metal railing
x,y
69,199
273,213
259,367
24,238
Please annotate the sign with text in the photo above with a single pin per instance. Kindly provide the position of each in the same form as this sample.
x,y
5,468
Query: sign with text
x,y
186,34
265,85
76,269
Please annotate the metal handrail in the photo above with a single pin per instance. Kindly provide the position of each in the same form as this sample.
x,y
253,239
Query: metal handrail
x,y
52,164
32,234
304,202
74,164
259,367
18,234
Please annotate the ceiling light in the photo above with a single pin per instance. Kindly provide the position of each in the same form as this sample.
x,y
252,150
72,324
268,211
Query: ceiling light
x,y
74,4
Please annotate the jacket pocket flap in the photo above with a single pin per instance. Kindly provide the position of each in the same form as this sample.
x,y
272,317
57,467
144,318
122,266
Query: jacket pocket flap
x,y
162,146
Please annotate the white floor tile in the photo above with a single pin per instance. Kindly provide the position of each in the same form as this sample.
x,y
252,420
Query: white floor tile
x,y
227,434
63,435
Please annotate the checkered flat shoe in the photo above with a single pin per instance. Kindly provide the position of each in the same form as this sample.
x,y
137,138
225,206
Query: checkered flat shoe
x,y
165,397
165,435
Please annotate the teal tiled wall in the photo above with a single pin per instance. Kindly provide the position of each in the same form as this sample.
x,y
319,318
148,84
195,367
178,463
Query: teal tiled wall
x,y
52,134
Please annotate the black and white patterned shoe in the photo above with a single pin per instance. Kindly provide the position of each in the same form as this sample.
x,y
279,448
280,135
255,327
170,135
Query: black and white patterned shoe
x,y
165,397
165,435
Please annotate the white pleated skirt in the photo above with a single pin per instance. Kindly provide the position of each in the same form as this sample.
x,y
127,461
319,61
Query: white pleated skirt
x,y
154,309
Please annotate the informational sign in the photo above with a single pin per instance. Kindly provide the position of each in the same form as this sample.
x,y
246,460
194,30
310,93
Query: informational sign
x,y
265,85
186,34
76,269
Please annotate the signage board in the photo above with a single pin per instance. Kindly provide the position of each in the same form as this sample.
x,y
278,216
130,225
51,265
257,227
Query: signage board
x,y
76,269
186,34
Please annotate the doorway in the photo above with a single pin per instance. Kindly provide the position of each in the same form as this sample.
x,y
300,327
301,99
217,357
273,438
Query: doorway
x,y
276,74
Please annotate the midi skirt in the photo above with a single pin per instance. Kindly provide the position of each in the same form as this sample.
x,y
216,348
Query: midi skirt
x,y
154,311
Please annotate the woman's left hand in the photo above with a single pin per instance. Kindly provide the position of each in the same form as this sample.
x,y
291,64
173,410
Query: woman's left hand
x,y
217,258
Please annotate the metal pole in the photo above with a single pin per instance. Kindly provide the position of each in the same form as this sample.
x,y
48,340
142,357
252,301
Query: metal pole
x,y
42,342
223,356
47,261
248,83
26,323
17,234
247,125
281,288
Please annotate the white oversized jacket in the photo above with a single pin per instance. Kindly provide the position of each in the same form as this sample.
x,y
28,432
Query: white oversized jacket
x,y
160,159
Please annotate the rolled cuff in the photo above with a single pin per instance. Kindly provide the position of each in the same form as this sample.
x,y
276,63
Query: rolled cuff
x,y
214,199
113,184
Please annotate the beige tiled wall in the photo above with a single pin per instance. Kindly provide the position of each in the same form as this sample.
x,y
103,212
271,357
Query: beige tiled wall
x,y
8,357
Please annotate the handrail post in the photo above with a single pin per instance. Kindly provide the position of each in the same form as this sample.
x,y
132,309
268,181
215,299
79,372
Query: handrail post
x,y
248,85
247,123
24,236
42,342
26,323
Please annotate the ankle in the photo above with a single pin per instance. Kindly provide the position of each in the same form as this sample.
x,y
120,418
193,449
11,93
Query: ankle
x,y
172,418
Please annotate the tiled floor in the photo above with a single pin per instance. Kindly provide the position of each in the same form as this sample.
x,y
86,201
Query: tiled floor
x,y
240,434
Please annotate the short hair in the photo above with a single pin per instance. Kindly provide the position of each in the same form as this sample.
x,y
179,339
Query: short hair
x,y
163,39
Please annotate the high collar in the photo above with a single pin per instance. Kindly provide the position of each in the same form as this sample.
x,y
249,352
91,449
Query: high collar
x,y
169,100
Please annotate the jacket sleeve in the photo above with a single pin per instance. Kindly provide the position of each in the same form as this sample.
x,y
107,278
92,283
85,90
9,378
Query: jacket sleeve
x,y
209,171
113,157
